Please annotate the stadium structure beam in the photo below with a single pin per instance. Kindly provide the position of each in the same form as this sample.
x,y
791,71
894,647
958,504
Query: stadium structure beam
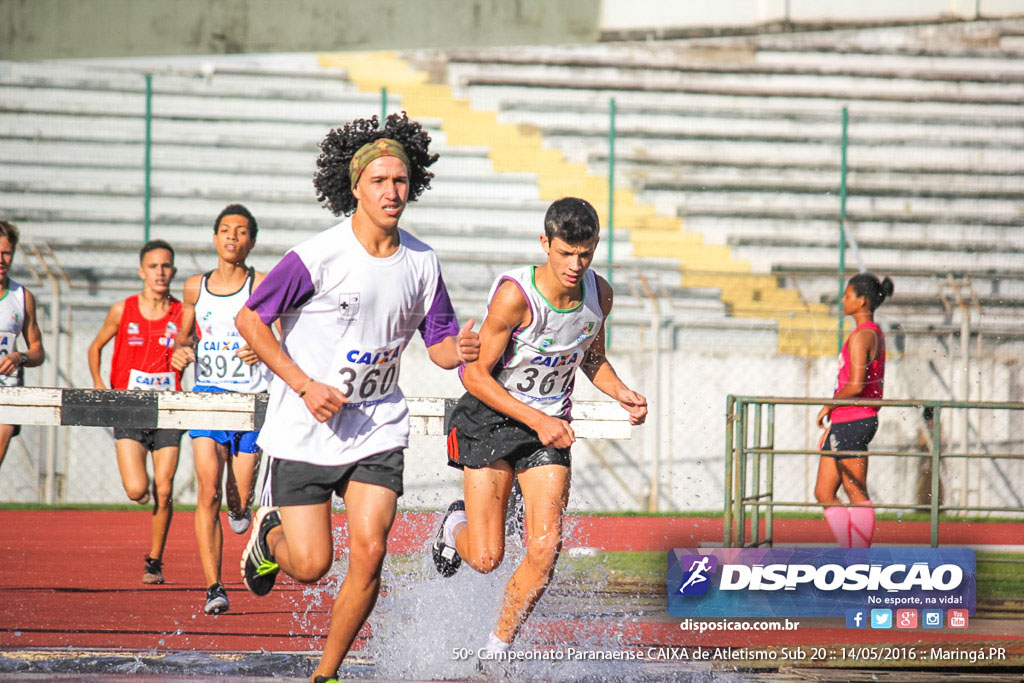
x,y
72,29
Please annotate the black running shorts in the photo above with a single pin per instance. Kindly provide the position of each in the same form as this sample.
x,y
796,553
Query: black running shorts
x,y
152,439
478,435
300,483
851,436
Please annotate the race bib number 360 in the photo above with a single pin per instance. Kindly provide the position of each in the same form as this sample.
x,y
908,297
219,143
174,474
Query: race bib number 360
x,y
367,375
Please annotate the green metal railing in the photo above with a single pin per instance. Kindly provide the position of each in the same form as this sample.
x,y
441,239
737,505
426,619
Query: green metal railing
x,y
844,143
750,453
148,161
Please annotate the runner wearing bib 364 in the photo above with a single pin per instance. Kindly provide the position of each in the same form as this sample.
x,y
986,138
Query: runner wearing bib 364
x,y
223,363
349,300
543,322
17,319
143,327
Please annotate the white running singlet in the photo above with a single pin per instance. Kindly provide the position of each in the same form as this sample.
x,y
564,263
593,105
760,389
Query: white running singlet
x,y
346,318
539,365
219,340
12,321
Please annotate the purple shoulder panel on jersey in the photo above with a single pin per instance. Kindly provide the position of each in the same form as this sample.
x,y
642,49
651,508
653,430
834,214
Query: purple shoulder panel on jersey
x,y
288,285
440,321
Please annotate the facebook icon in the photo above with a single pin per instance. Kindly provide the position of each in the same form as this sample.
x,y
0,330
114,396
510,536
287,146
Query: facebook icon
x,y
856,618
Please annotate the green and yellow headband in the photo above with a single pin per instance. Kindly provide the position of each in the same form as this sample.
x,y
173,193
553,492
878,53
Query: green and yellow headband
x,y
384,147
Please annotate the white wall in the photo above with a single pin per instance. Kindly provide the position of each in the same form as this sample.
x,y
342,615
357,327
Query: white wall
x,y
634,15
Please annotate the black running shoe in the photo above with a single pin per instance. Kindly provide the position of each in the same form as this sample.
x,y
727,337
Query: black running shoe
x,y
446,557
325,679
154,571
216,600
259,570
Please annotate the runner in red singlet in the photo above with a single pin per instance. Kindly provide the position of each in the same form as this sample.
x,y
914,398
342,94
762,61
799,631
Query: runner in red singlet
x,y
143,327
851,428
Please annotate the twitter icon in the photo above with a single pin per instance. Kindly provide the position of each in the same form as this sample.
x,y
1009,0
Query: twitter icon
x,y
881,618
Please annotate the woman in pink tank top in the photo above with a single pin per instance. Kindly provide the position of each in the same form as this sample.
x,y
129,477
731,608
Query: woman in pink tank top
x,y
851,428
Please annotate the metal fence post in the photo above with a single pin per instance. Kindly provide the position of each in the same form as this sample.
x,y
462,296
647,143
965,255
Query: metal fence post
x,y
755,514
842,228
741,478
936,455
769,520
149,155
611,185
730,419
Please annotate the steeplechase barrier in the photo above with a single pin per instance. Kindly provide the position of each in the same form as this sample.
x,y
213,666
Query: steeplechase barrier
x,y
190,410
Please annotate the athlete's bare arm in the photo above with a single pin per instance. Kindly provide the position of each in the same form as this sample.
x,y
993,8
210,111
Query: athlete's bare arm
x,y
33,355
246,353
863,347
599,369
451,352
509,311
107,332
322,400
184,343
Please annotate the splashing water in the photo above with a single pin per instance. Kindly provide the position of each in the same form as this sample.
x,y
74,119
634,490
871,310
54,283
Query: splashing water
x,y
429,627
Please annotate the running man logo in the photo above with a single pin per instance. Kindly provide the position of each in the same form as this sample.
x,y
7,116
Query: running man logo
x,y
696,580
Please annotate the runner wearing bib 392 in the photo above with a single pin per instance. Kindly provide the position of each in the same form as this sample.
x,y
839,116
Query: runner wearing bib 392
x,y
223,363
17,320
143,328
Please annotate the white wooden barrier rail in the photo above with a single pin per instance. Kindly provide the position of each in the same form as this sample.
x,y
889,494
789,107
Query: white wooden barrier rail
x,y
189,410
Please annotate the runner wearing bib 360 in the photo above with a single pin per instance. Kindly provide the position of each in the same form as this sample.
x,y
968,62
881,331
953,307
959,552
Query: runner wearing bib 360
x,y
143,328
17,319
349,301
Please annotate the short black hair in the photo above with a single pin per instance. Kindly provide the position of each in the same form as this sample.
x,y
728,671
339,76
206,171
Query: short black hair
x,y
237,210
331,181
10,231
871,288
153,245
573,220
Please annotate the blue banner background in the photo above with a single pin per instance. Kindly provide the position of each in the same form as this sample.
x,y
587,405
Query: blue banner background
x,y
807,600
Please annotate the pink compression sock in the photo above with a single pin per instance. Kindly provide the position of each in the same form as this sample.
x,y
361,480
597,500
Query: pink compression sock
x,y
838,518
862,525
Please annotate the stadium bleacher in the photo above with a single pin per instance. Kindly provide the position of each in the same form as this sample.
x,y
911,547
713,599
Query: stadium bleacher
x,y
737,136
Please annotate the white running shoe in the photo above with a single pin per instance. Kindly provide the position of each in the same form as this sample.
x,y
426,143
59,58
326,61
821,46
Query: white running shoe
x,y
240,523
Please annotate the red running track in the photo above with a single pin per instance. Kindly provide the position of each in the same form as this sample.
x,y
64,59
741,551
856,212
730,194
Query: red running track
x,y
72,578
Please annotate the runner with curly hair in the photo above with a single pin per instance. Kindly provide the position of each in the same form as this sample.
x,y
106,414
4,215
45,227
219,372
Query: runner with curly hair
x,y
349,301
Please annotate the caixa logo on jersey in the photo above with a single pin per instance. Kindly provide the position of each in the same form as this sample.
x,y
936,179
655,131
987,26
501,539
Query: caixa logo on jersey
x,y
816,582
